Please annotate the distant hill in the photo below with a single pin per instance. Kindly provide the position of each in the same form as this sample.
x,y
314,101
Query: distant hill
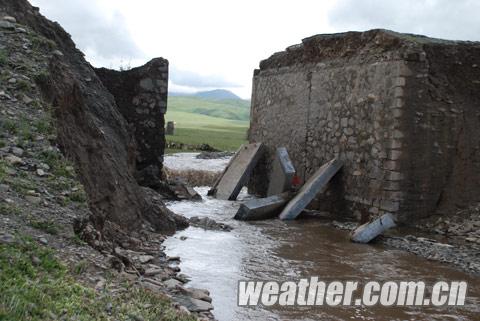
x,y
216,103
216,94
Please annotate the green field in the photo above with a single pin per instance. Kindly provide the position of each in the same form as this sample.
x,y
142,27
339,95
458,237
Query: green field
x,y
224,128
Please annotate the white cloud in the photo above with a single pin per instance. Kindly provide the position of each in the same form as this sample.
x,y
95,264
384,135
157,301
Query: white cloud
x,y
219,43
456,20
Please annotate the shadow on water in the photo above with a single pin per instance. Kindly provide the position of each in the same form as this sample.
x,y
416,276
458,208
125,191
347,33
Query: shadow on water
x,y
276,250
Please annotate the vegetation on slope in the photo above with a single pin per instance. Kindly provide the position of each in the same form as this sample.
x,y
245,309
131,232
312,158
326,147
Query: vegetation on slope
x,y
221,124
34,285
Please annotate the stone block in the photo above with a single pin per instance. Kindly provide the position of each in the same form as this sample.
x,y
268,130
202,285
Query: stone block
x,y
368,231
282,173
262,208
170,128
237,172
315,185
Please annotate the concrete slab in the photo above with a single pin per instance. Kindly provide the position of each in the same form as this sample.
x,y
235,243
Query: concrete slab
x,y
263,208
282,173
368,231
237,172
315,185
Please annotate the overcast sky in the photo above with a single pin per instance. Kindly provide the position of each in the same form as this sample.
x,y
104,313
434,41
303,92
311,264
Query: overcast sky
x,y
218,43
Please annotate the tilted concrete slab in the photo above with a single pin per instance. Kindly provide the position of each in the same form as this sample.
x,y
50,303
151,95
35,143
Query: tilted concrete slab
x,y
282,173
368,231
315,185
237,172
263,208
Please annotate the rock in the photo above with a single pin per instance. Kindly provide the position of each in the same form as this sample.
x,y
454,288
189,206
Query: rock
x,y
199,294
183,310
4,95
43,240
57,53
33,199
183,238
172,283
13,160
214,155
10,171
27,100
153,271
368,231
12,81
7,238
9,19
4,188
173,258
109,307
6,25
35,260
40,172
194,305
145,258
21,30
209,224
44,166
471,239
17,151
182,278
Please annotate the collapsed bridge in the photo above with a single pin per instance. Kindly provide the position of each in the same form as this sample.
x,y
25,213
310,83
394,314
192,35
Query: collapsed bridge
x,y
402,112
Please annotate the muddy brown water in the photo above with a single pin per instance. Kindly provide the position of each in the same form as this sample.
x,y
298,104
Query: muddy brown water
x,y
281,251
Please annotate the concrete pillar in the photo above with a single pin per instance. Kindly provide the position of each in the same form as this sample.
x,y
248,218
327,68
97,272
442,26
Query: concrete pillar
x,y
170,128
368,231
282,173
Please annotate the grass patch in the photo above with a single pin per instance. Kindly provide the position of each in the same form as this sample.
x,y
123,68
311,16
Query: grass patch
x,y
7,209
194,129
3,57
3,171
58,164
234,109
80,267
77,240
35,286
9,126
23,85
78,196
46,226
20,127
40,43
227,140
44,126
21,185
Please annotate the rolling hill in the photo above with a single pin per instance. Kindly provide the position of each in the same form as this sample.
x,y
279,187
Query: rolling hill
x,y
218,118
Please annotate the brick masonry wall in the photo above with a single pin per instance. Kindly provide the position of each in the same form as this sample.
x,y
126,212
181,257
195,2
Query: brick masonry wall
x,y
362,106
141,96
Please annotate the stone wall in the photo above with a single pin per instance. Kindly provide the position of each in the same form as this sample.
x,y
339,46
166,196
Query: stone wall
x,y
141,96
388,105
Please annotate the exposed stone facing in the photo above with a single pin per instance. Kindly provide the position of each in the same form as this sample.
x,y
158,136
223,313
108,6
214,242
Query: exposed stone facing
x,y
141,96
375,101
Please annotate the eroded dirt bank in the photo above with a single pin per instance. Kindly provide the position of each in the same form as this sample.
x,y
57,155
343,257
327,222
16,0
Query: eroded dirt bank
x,y
68,159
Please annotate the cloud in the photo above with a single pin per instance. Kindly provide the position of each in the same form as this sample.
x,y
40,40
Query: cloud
x,y
192,79
98,30
437,18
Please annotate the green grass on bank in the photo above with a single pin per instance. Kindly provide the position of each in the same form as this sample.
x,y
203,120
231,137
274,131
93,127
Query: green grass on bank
x,y
233,109
195,129
35,286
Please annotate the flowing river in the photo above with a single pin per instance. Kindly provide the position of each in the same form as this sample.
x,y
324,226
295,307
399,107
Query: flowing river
x,y
282,251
